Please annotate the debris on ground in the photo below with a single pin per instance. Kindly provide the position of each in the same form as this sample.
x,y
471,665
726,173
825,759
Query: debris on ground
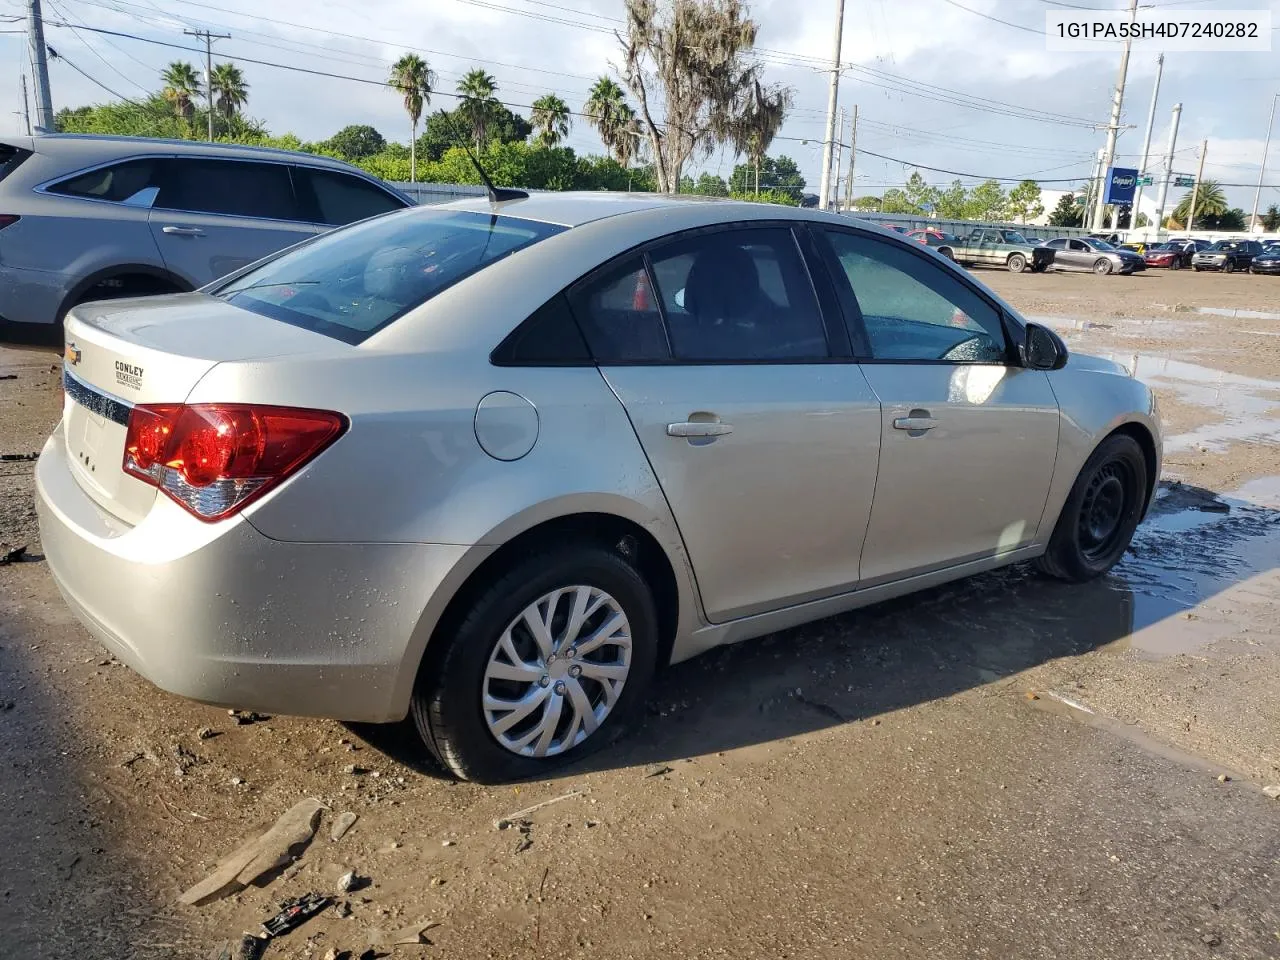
x,y
658,770
247,947
206,733
245,717
1273,791
14,457
184,757
294,912
1211,940
9,554
343,823
1223,778
250,860
513,819
8,376
354,769
333,953
414,933
351,881
342,910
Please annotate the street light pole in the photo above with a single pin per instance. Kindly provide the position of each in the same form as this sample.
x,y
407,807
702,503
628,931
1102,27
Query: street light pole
x,y
1262,167
1168,169
828,145
1117,105
1146,143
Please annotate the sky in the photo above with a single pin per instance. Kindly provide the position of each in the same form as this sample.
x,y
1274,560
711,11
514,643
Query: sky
x,y
937,83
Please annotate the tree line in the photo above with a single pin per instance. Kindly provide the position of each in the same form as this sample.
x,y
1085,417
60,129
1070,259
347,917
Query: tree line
x,y
986,201
1212,212
691,84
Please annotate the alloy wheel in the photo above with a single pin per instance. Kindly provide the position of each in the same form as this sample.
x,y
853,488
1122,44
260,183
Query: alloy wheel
x,y
557,671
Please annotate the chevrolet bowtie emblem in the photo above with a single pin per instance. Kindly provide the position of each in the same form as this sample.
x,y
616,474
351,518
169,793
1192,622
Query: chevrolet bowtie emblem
x,y
72,354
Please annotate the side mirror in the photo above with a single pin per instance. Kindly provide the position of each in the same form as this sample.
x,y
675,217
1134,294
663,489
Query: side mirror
x,y
1044,350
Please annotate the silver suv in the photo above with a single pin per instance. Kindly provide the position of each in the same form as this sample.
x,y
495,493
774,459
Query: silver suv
x,y
93,217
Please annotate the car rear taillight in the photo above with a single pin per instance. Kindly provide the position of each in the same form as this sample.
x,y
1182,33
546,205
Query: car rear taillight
x,y
8,219
215,458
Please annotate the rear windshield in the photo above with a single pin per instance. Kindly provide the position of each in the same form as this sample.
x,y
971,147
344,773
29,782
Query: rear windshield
x,y
351,283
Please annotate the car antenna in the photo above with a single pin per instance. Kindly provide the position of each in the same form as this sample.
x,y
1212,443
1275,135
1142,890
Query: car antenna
x,y
496,194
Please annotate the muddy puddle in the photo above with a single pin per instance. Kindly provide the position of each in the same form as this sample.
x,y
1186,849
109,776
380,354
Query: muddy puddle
x,y
1247,409
1197,561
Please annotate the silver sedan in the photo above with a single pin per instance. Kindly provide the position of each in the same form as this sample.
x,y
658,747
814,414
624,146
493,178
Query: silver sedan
x,y
490,464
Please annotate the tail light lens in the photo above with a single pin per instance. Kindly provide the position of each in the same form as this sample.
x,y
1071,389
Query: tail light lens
x,y
215,458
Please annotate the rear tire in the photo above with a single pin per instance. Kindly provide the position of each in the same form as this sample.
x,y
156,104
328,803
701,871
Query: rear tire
x,y
947,252
448,703
1016,263
1101,513
1175,264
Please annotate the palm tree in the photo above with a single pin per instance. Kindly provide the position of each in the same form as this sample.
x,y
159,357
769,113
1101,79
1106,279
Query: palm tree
x,y
181,88
550,118
759,122
413,79
477,99
1210,202
608,111
230,89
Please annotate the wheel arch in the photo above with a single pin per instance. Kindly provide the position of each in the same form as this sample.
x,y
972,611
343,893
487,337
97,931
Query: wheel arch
x,y
149,271
669,577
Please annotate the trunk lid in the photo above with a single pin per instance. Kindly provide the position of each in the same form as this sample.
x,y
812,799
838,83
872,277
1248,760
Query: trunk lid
x,y
121,353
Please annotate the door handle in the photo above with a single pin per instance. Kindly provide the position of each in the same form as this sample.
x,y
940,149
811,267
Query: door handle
x,y
914,423
183,231
702,428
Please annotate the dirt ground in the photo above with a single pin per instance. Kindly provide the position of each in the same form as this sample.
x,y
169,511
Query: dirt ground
x,y
1003,767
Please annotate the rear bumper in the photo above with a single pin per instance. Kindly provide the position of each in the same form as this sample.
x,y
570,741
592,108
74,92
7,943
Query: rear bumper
x,y
31,296
222,614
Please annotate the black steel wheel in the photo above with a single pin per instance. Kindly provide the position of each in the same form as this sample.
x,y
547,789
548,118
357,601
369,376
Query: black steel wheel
x,y
1101,512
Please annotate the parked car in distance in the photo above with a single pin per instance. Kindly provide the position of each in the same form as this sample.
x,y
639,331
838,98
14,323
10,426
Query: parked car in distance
x,y
1268,261
1227,256
995,247
93,217
1094,255
1174,254
895,227
555,525
944,242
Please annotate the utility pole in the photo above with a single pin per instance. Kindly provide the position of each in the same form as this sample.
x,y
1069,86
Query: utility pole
x,y
39,67
1090,189
853,156
837,163
834,95
208,39
1146,143
1117,104
1168,169
1262,167
1195,190
26,109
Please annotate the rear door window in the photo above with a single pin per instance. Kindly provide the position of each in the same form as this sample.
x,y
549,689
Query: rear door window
x,y
230,188
133,182
340,198
351,283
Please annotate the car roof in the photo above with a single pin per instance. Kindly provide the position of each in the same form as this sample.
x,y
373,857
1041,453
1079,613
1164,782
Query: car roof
x,y
573,209
98,148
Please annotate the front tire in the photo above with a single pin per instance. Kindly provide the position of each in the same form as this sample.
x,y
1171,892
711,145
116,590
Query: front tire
x,y
1016,263
1102,266
1175,264
947,252
1229,267
1101,513
545,665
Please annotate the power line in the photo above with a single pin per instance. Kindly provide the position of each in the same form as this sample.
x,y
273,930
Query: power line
x,y
56,9
987,16
58,56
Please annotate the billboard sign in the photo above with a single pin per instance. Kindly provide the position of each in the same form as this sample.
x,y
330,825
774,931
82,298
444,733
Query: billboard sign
x,y
1121,182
